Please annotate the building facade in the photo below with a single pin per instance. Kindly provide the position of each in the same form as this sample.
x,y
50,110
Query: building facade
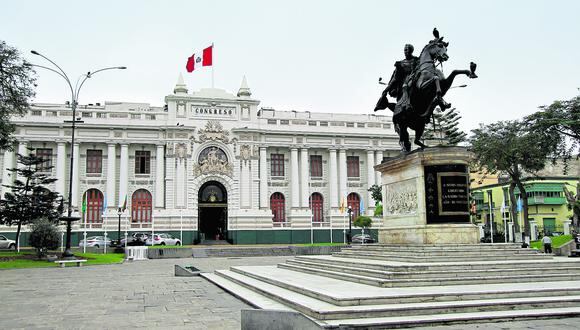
x,y
209,165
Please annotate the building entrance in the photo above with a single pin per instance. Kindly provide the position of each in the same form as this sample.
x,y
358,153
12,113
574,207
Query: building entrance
x,y
213,212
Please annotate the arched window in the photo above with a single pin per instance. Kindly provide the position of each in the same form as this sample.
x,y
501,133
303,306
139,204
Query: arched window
x,y
278,206
93,206
353,200
316,205
141,206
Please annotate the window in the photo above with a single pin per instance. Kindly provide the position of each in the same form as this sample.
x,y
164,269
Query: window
x,y
87,114
51,113
272,122
94,161
277,205
353,200
46,155
142,162
352,167
36,113
311,123
93,206
316,203
141,206
323,123
135,116
284,122
315,166
101,115
277,165
349,124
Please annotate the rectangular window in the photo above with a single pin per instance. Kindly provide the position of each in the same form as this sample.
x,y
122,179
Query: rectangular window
x,y
315,165
284,122
311,123
36,113
352,167
142,162
46,155
94,161
277,164
323,123
272,122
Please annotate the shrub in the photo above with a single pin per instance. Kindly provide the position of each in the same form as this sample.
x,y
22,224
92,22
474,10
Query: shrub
x,y
44,237
363,221
379,210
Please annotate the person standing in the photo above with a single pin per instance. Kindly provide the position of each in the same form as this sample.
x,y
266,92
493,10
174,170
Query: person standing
x,y
547,244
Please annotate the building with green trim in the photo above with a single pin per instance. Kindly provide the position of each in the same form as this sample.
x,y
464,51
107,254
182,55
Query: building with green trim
x,y
547,206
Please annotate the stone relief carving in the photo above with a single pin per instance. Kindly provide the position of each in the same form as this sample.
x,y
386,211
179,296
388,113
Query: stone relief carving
x,y
213,160
181,150
213,131
401,198
245,152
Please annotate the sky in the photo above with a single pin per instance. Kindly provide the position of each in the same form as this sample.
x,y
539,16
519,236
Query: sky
x,y
319,56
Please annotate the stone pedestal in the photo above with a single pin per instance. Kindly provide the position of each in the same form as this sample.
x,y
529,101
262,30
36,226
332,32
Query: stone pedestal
x,y
426,198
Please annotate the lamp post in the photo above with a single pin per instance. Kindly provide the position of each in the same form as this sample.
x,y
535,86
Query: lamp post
x,y
349,238
74,102
119,248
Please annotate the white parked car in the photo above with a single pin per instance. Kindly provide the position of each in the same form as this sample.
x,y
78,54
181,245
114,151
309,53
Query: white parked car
x,y
163,239
95,241
6,243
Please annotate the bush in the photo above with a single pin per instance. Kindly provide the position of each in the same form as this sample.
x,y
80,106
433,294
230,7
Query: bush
x,y
379,210
363,221
44,237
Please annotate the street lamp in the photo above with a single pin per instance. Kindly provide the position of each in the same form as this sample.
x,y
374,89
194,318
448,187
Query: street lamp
x,y
75,97
119,248
349,237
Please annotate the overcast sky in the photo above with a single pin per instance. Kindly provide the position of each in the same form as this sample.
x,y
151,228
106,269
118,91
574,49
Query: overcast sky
x,y
322,56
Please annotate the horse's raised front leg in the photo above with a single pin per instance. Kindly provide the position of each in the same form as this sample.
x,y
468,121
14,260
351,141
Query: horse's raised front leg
x,y
447,82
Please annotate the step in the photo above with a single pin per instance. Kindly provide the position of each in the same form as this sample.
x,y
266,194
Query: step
x,y
344,293
324,311
445,252
441,246
397,266
447,319
247,295
358,269
401,282
394,257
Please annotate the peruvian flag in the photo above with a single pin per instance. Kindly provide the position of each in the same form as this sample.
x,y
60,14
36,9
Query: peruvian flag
x,y
197,60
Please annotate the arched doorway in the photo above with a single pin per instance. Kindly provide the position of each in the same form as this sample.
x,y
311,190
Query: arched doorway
x,y
213,211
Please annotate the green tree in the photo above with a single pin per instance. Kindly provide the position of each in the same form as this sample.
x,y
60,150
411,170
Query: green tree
x,y
377,196
17,84
29,198
362,221
44,237
444,127
510,148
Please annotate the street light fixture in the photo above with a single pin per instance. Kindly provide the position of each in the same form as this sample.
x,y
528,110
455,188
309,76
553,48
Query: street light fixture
x,y
119,248
75,97
349,237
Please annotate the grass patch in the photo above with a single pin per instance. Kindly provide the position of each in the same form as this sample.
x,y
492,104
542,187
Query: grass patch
x,y
9,260
557,241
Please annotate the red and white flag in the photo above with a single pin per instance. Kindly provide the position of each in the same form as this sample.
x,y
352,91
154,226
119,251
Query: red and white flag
x,y
199,59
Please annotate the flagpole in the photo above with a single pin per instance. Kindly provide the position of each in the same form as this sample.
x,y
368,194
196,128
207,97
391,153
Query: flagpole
x,y
212,65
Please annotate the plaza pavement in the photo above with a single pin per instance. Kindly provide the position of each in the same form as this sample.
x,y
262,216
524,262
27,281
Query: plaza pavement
x,y
147,295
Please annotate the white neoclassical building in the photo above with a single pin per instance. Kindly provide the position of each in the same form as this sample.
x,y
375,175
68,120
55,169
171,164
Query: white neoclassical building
x,y
209,165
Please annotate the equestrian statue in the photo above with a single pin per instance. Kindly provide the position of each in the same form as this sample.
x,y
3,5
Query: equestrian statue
x,y
419,87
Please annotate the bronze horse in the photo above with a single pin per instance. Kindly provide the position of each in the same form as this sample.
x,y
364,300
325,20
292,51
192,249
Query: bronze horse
x,y
427,86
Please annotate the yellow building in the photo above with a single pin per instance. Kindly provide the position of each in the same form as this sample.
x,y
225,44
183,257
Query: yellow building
x,y
547,207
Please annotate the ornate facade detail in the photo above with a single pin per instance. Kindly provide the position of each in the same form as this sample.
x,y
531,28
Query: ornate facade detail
x,y
181,150
213,131
245,152
401,198
213,160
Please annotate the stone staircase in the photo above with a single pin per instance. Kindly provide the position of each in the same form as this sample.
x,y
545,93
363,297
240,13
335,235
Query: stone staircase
x,y
389,286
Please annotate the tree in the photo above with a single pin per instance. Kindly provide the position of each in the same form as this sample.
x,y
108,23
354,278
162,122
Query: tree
x,y
17,84
29,198
560,119
377,195
445,128
362,221
573,201
44,237
509,147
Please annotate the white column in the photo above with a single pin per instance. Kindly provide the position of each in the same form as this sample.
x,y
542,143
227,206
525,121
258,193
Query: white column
x,y
21,151
370,180
263,179
180,183
342,178
160,176
332,179
294,178
75,176
7,177
61,168
111,174
304,178
124,174
245,188
378,160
